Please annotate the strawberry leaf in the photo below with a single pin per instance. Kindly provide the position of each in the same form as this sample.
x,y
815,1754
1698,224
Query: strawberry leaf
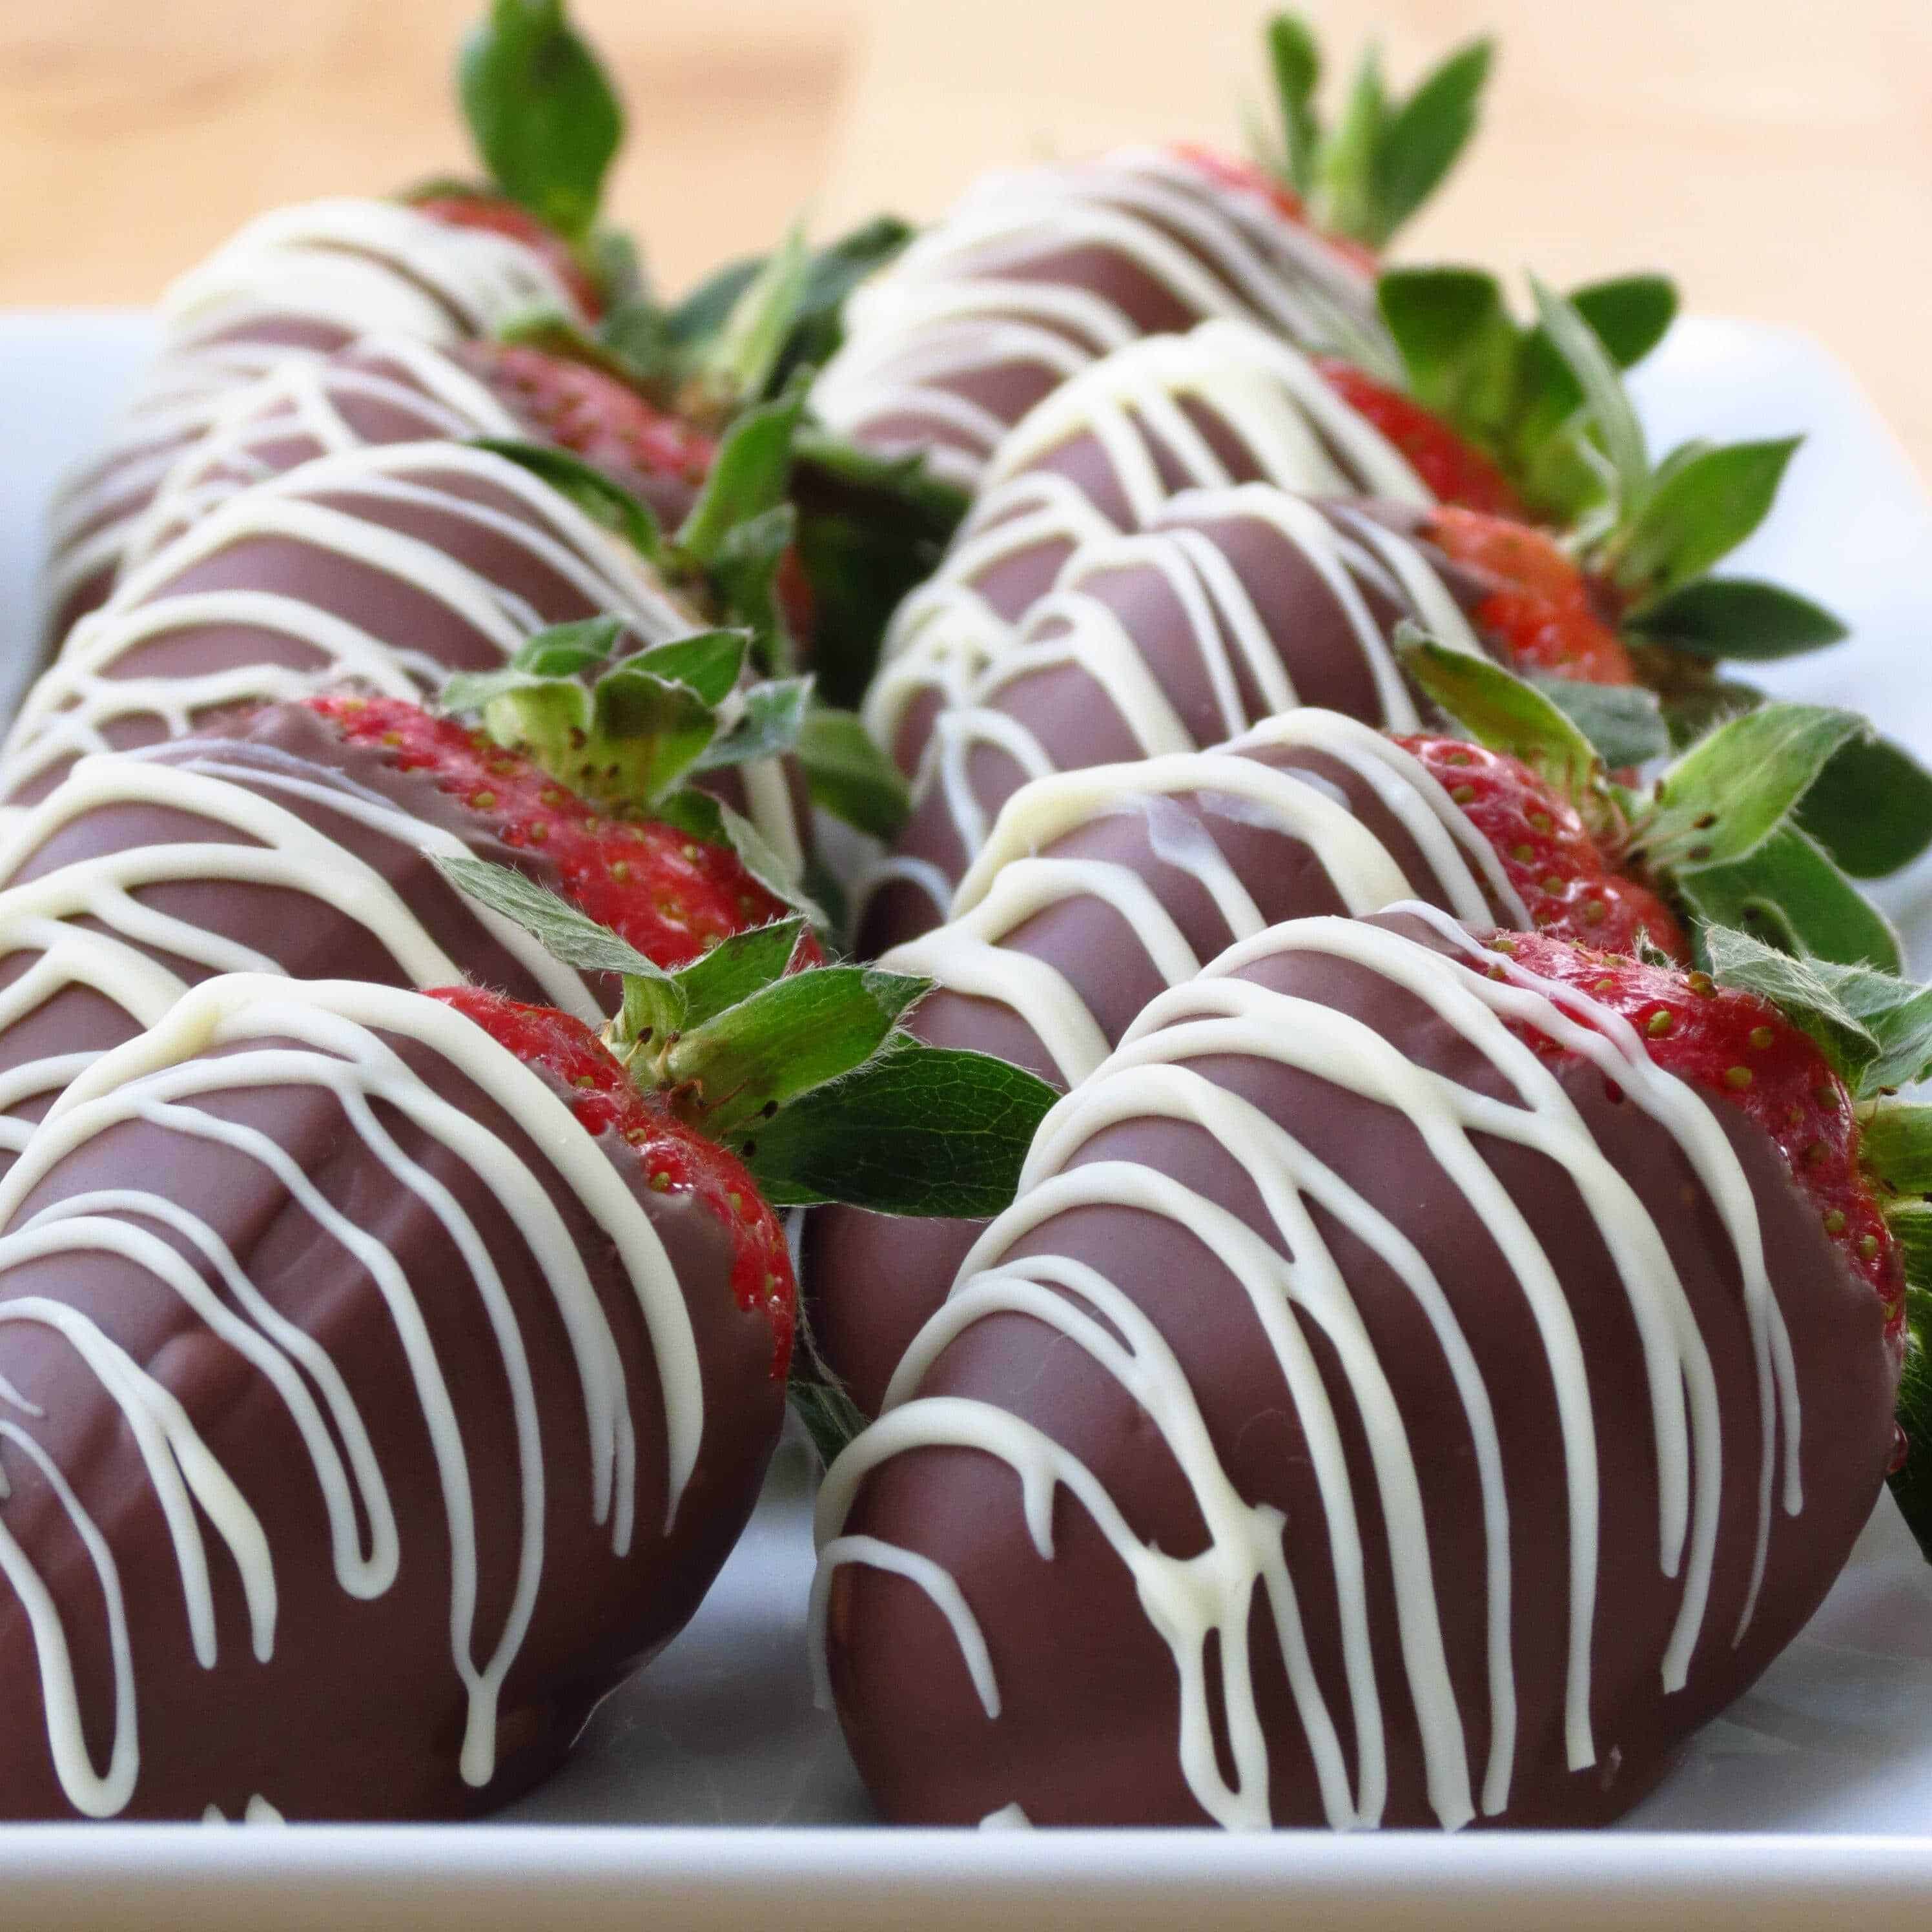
x,y
705,817
1911,1482
1418,142
838,268
1871,807
1789,895
1727,795
746,571
748,479
708,662
1734,617
1801,991
1606,405
1895,1144
770,719
1295,61
1623,722
1690,713
849,776
736,967
1503,712
1702,504
1630,315
734,1071
740,359
603,501
653,1001
870,528
542,112
918,1129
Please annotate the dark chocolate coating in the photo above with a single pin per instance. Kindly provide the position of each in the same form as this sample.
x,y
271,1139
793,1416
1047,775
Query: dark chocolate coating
x,y
301,927
1087,1732
359,1712
872,1280
1067,708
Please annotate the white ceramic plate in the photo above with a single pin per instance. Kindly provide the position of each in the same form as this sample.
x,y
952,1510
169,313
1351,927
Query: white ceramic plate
x,y
1811,1799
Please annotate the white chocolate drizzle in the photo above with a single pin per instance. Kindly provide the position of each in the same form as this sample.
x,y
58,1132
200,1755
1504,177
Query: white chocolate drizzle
x,y
1018,874
969,296
956,648
326,270
1293,1279
87,921
330,1035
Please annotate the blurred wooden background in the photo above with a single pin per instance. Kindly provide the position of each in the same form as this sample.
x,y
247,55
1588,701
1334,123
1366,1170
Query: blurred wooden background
x,y
1776,155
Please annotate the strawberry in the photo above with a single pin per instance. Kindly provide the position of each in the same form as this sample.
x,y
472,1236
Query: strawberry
x,y
670,894
1735,1044
675,1158
1454,470
1537,604
1572,888
1241,176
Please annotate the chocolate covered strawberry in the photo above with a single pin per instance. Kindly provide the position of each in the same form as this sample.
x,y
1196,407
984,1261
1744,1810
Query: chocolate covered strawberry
x,y
393,1370
1424,1374
1096,888
302,836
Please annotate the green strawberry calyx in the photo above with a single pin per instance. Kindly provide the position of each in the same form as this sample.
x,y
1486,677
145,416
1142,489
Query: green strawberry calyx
x,y
806,1072
1719,829
1366,175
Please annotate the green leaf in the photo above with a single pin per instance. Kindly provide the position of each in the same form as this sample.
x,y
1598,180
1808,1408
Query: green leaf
x,y
849,776
745,573
748,479
837,269
1458,345
830,1417
737,363
918,1129
1912,1483
652,999
1899,1013
542,112
1420,140
1734,617
1689,714
736,967
1501,711
1804,995
558,336
1699,509
1727,795
1789,894
1623,722
1630,315
605,503
1344,197
1871,807
768,725
742,1064
564,650
1895,1143
704,816
1606,404
1295,61
708,662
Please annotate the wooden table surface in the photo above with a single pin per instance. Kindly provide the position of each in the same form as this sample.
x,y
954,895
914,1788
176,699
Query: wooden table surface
x,y
1775,155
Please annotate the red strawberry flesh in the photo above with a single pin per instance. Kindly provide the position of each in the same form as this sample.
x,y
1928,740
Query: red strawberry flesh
x,y
671,895
676,1159
1539,605
1571,888
1742,1050
1454,470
